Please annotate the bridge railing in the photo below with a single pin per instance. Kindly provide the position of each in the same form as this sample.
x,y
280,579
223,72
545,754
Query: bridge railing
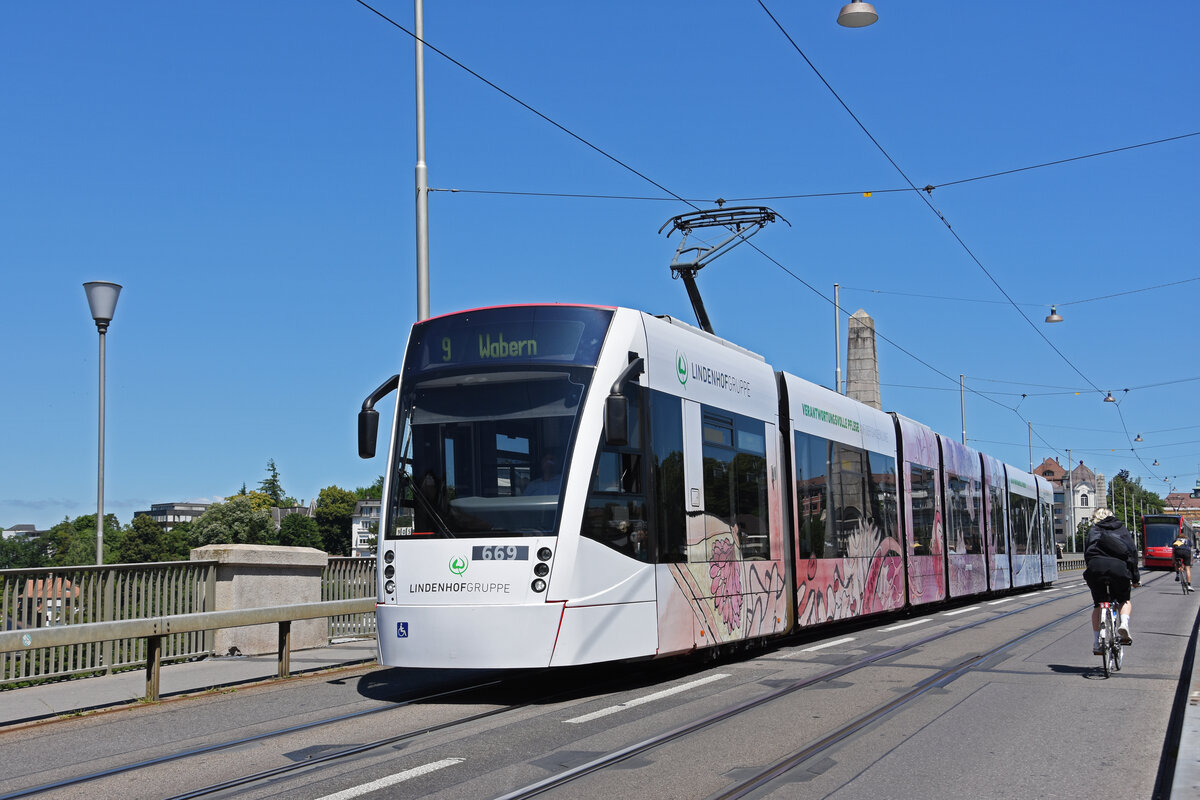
x,y
57,597
345,579
152,632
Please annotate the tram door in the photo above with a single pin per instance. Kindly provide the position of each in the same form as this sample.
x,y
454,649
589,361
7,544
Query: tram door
x,y
693,456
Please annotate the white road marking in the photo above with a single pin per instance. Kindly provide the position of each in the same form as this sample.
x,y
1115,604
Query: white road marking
x,y
392,780
960,611
1005,600
650,698
907,625
834,643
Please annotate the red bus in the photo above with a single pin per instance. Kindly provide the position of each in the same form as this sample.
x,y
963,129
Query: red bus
x,y
1159,533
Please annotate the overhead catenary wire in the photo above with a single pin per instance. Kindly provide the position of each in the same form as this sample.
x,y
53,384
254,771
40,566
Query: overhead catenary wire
x,y
924,192
816,195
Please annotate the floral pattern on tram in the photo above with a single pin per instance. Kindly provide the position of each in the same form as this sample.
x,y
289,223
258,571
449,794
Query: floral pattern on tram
x,y
731,599
726,584
867,580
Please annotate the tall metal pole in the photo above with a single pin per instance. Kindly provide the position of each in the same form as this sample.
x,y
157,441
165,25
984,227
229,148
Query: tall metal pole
x,y
1031,447
837,339
962,403
422,175
100,465
1071,500
102,300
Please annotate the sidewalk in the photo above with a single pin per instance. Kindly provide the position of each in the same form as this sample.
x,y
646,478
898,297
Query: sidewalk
x,y
49,700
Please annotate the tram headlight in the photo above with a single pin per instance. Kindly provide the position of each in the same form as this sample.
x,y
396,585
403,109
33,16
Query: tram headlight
x,y
541,570
389,556
389,571
538,585
390,587
544,554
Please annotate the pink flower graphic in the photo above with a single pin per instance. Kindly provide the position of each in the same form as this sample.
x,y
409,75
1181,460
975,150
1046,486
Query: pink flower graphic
x,y
726,583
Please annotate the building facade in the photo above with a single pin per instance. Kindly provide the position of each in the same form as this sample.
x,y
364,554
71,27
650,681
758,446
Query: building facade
x,y
364,527
168,515
1077,494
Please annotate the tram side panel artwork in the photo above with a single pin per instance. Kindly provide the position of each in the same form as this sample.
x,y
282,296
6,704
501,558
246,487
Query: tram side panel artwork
x,y
849,560
963,495
923,513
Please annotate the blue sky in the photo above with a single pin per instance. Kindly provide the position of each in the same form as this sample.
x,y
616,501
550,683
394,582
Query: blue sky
x,y
245,170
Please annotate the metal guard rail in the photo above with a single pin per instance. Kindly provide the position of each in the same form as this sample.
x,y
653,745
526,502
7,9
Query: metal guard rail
x,y
154,628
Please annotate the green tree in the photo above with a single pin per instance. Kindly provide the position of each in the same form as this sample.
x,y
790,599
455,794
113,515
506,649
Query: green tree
x,y
21,552
73,542
1129,501
144,542
297,530
236,521
335,507
258,500
372,492
270,485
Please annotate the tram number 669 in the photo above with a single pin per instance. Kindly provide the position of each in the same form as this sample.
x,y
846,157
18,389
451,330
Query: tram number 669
x,y
500,552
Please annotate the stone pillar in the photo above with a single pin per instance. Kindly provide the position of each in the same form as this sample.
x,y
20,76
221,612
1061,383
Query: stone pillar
x,y
258,576
862,365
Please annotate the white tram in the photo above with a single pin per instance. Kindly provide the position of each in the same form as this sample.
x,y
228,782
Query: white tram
x,y
576,484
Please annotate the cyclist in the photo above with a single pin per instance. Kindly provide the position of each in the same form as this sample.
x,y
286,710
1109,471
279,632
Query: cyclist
x,y
1111,571
1181,548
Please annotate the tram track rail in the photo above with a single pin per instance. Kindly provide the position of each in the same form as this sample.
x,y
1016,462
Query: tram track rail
x,y
797,758
568,776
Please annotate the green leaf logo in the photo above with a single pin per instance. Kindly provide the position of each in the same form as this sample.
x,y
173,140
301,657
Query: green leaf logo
x,y
681,367
458,565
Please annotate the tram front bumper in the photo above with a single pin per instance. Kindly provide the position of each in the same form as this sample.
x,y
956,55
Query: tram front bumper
x,y
468,636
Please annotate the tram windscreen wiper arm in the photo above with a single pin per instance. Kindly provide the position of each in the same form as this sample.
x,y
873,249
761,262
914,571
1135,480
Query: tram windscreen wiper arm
x,y
427,504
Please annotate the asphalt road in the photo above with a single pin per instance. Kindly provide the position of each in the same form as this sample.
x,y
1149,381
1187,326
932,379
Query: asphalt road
x,y
1034,719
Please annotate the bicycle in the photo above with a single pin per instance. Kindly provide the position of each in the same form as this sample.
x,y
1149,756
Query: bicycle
x,y
1180,575
1111,655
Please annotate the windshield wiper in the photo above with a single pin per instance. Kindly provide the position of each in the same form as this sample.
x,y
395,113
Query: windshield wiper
x,y
426,504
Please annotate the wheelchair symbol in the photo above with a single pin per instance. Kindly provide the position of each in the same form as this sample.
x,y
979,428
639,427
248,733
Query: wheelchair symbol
x,y
401,630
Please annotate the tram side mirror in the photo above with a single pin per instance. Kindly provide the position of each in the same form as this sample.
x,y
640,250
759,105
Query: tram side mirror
x,y
368,432
616,420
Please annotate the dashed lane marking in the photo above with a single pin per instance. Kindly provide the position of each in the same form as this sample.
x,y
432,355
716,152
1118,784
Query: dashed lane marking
x,y
392,780
907,624
650,698
960,611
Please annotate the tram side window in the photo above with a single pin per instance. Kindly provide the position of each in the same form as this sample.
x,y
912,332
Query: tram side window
x,y
997,519
848,484
923,482
1047,533
1021,510
666,468
812,469
963,514
883,494
615,514
735,481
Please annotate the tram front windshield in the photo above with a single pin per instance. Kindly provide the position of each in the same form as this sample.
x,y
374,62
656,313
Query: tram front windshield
x,y
489,406
1161,532
485,458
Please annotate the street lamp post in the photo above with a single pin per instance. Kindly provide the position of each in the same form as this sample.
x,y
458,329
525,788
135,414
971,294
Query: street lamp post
x,y
102,299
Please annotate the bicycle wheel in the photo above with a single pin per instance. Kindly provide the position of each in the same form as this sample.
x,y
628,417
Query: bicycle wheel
x,y
1105,637
1118,656
1182,583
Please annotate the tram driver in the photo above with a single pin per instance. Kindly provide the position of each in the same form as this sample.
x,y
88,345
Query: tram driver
x,y
550,479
